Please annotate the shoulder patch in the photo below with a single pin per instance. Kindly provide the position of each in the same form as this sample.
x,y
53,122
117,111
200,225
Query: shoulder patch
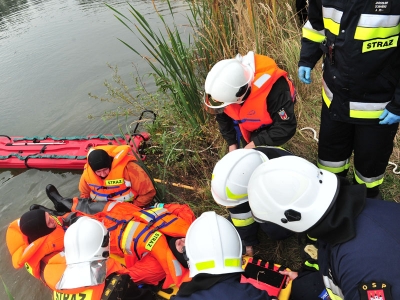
x,y
283,115
375,290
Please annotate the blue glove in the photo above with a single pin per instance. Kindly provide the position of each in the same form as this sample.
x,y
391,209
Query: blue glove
x,y
305,74
388,118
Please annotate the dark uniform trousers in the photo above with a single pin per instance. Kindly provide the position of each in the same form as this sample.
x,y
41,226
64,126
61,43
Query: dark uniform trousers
x,y
372,146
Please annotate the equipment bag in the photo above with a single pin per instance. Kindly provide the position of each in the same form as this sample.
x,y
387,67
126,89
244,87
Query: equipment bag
x,y
265,275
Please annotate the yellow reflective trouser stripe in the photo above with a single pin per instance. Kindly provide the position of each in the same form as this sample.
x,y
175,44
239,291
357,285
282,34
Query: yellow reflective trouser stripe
x,y
233,262
205,265
334,169
332,26
363,33
332,295
325,97
243,223
365,114
127,237
315,266
369,184
313,35
233,196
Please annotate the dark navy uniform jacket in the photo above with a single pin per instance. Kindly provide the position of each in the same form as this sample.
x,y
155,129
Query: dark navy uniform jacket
x,y
372,256
229,289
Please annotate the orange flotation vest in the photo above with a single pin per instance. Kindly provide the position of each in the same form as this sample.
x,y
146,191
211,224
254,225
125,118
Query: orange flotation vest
x,y
30,254
136,232
54,269
114,186
253,113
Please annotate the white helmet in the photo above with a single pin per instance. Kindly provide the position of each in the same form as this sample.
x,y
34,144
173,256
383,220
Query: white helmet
x,y
231,176
86,247
291,192
227,82
213,246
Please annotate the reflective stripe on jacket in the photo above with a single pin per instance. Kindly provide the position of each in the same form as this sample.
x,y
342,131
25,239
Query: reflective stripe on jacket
x,y
253,113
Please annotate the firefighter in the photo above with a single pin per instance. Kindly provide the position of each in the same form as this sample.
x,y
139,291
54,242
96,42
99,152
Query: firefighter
x,y
229,188
253,100
360,87
357,237
214,252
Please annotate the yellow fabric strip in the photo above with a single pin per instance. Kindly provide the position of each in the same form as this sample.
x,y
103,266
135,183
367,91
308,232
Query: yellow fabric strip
x,y
313,35
332,26
310,265
368,33
364,114
243,223
333,169
325,97
333,296
232,262
205,265
368,184
234,196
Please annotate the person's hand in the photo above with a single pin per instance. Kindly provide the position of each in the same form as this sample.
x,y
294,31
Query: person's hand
x,y
250,145
291,275
232,147
249,251
388,118
304,74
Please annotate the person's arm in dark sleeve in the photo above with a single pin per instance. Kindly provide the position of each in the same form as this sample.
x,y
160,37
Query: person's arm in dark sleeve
x,y
313,35
394,105
226,128
281,109
243,220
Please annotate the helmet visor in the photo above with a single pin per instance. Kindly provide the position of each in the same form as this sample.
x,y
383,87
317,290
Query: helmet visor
x,y
210,102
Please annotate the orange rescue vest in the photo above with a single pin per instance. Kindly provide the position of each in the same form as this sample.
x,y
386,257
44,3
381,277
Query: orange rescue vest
x,y
253,113
114,186
30,255
136,232
54,269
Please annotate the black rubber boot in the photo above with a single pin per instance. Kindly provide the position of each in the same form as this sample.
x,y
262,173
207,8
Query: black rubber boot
x,y
50,211
61,204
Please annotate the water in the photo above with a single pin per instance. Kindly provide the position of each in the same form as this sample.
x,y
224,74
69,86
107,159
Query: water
x,y
52,54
